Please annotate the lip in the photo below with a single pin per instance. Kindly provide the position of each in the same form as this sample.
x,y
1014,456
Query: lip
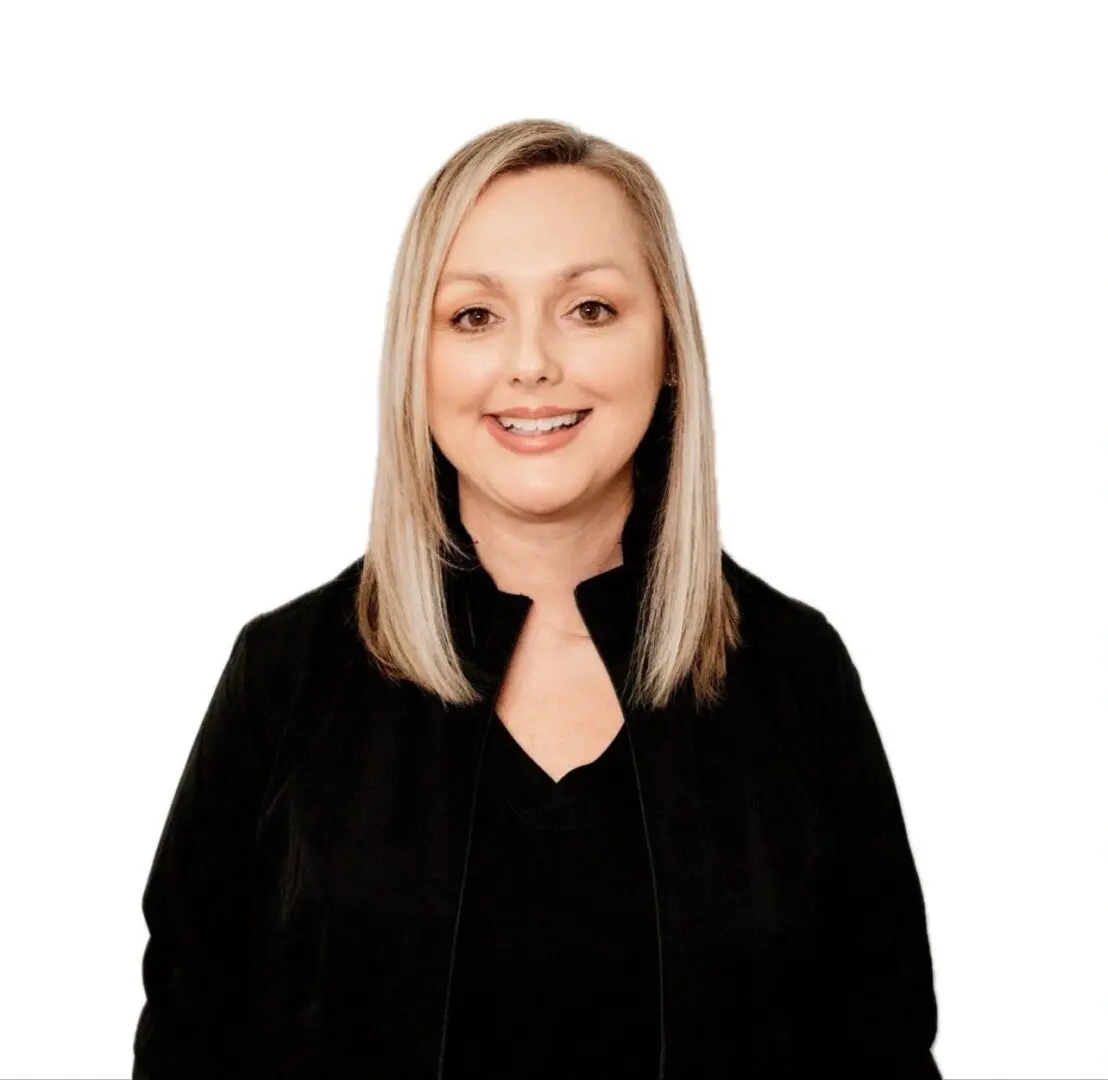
x,y
542,412
535,444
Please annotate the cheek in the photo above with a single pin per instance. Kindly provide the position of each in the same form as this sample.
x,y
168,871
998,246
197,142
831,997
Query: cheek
x,y
454,386
625,366
629,391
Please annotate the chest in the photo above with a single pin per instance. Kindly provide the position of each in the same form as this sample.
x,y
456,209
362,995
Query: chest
x,y
558,702
366,846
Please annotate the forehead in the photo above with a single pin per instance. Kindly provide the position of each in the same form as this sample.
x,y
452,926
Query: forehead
x,y
546,223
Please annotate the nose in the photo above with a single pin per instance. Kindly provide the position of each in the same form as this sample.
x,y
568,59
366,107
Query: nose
x,y
530,361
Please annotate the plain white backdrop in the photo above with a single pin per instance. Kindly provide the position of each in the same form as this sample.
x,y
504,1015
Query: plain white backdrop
x,y
896,219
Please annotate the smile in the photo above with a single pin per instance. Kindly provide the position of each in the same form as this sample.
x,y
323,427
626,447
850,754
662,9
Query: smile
x,y
534,427
536,436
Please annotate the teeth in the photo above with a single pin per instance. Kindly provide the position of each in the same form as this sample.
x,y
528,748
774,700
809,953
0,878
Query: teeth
x,y
550,423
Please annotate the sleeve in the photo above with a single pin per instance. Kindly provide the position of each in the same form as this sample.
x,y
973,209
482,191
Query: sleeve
x,y
196,966
882,1011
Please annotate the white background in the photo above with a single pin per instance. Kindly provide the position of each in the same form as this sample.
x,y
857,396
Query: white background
x,y
895,218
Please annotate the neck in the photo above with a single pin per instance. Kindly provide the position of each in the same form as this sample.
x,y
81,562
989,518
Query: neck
x,y
546,560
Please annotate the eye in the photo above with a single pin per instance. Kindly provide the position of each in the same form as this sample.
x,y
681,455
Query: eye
x,y
468,312
465,313
597,304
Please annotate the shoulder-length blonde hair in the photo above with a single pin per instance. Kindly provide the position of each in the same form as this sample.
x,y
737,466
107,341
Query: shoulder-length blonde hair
x,y
690,617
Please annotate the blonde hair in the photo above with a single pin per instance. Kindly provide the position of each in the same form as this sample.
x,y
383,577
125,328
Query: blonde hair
x,y
690,616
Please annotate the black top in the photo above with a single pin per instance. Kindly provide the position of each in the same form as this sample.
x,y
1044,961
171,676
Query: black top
x,y
308,883
556,972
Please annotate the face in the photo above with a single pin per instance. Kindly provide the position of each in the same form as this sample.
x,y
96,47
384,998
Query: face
x,y
527,337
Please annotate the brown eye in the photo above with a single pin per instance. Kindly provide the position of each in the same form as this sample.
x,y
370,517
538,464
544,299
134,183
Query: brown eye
x,y
594,306
470,312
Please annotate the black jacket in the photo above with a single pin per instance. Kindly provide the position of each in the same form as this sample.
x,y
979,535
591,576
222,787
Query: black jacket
x,y
303,898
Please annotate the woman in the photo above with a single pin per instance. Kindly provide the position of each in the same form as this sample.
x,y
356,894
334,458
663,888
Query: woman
x,y
513,795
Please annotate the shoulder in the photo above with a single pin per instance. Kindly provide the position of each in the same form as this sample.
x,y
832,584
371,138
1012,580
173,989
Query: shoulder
x,y
772,621
789,643
793,653
304,611
287,643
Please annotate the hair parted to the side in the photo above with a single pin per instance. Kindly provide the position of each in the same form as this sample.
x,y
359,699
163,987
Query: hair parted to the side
x,y
690,617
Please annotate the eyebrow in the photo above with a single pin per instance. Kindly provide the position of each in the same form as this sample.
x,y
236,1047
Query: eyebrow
x,y
490,281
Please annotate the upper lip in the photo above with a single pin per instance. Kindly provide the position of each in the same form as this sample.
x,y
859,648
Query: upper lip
x,y
541,413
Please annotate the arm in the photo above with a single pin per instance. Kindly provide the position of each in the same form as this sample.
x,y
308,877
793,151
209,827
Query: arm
x,y
881,991
196,966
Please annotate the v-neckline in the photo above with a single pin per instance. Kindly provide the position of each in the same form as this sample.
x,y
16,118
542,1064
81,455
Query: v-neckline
x,y
568,779
535,796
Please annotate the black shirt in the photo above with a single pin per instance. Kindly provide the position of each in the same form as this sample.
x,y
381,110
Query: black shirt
x,y
556,972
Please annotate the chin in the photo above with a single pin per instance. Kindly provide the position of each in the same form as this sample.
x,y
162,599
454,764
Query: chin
x,y
540,499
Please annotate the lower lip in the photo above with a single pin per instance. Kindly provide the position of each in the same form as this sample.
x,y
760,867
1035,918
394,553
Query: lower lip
x,y
534,444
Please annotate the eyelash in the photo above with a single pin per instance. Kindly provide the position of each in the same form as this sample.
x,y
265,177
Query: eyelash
x,y
456,320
